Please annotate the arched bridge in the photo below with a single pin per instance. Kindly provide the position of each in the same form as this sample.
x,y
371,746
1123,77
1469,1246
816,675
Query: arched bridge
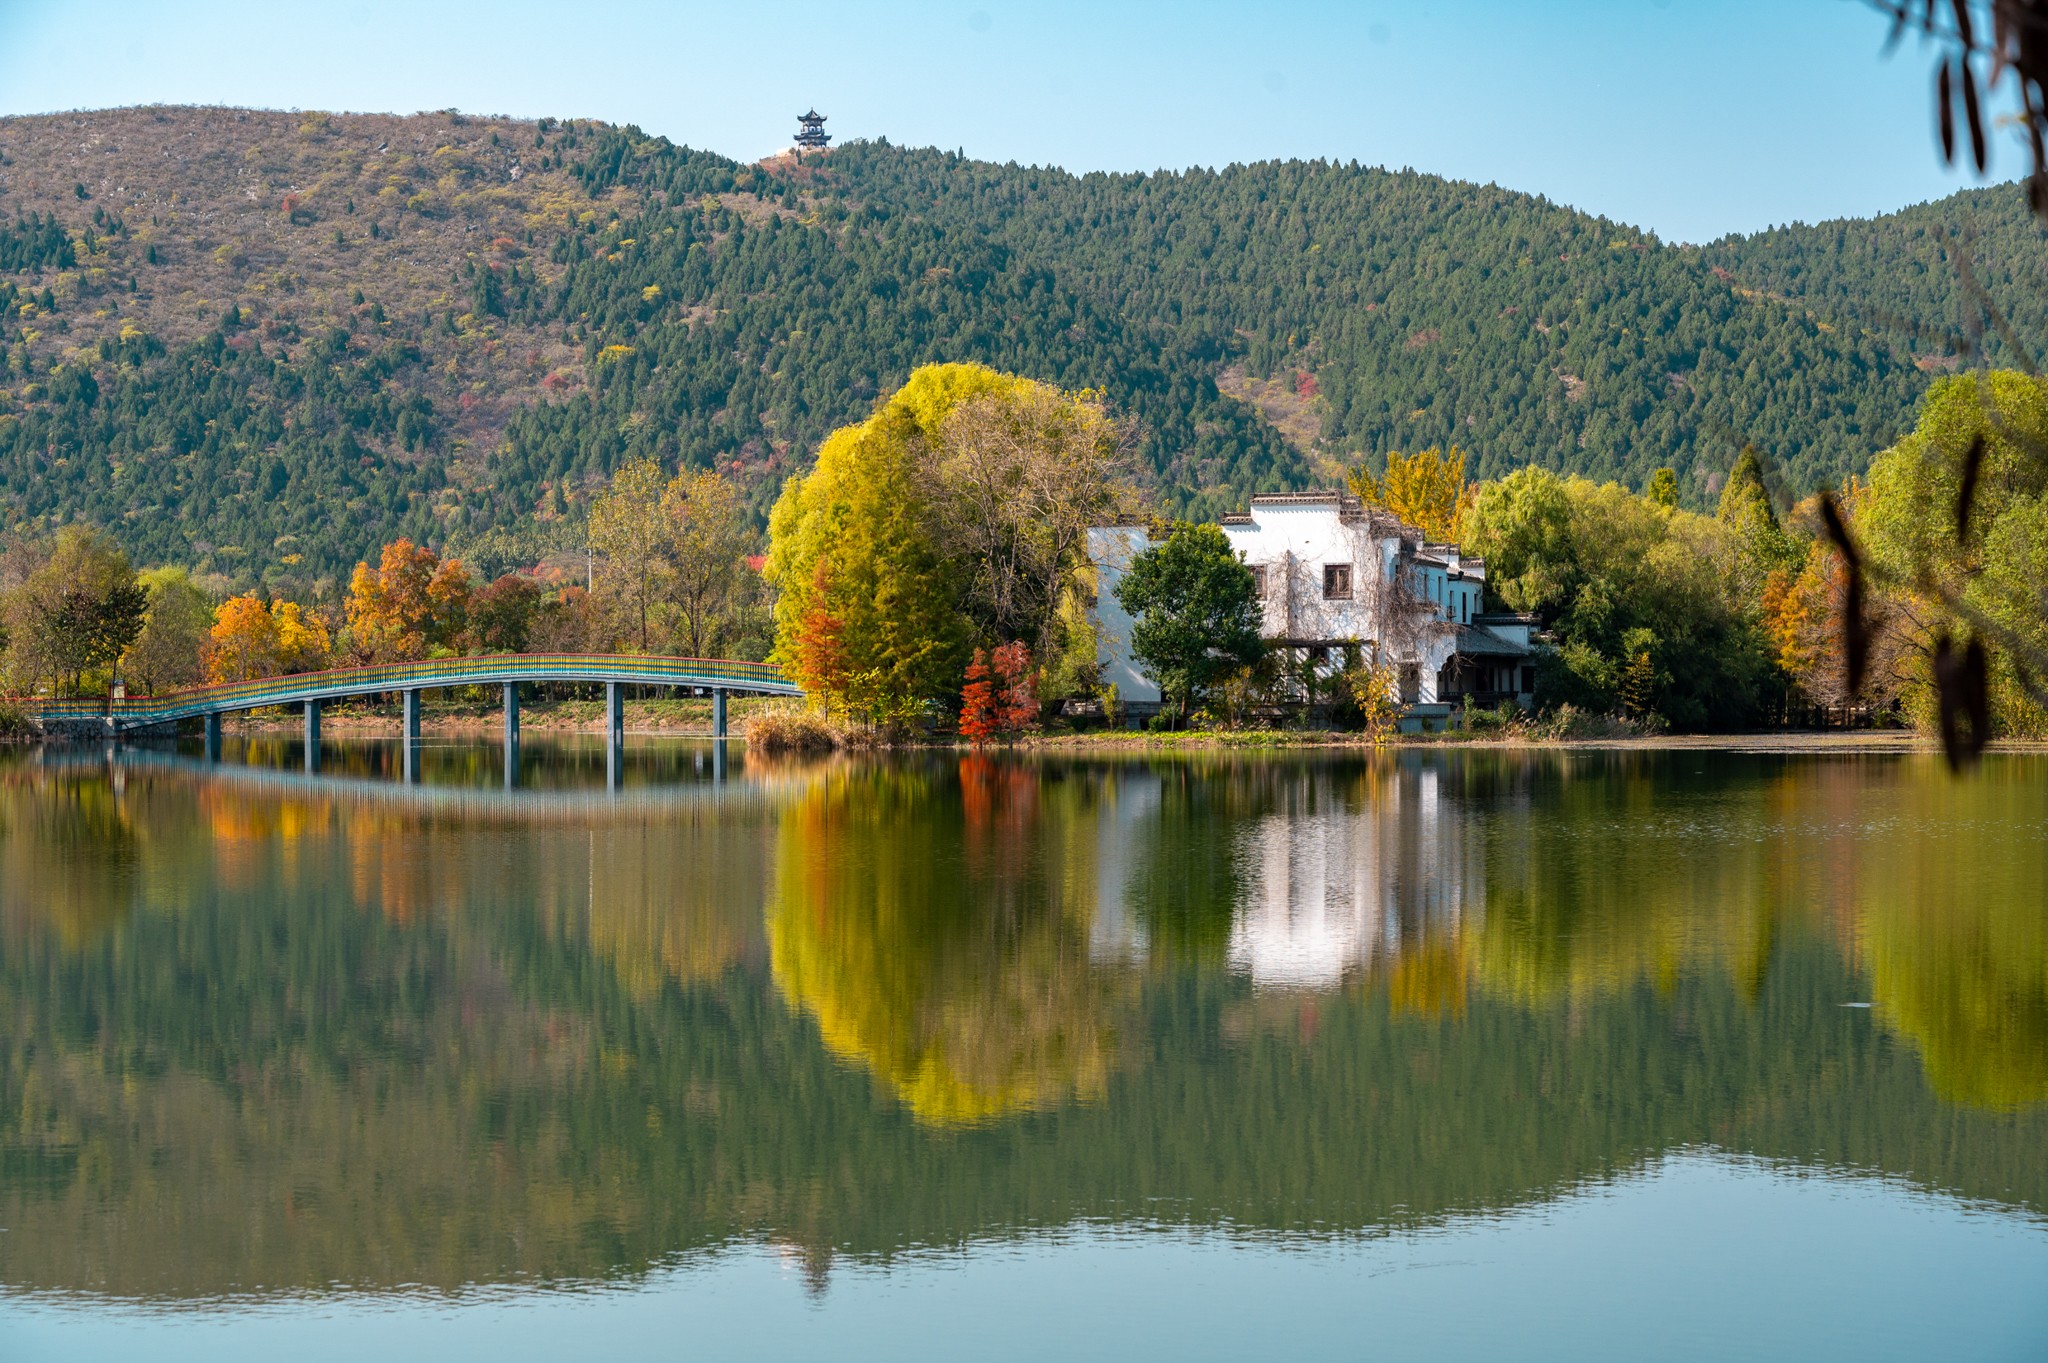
x,y
717,677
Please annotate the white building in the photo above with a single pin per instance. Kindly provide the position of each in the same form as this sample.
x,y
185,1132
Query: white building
x,y
1341,581
1111,549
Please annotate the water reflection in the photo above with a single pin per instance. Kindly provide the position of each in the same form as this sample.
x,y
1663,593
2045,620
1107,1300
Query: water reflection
x,y
266,1031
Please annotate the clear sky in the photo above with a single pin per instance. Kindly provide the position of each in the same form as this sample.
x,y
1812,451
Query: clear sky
x,y
1689,117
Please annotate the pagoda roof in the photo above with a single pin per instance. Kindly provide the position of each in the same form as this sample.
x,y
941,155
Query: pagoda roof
x,y
812,117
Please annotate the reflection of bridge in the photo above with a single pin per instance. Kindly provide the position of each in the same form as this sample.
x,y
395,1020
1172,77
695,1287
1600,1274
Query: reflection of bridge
x,y
716,677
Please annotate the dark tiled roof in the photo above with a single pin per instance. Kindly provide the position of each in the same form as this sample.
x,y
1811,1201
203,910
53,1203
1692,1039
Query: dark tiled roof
x,y
1475,642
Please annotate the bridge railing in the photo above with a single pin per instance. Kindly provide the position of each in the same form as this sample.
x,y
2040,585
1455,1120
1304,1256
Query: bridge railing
x,y
431,674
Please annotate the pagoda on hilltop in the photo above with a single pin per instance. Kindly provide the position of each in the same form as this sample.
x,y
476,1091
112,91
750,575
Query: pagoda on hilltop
x,y
811,135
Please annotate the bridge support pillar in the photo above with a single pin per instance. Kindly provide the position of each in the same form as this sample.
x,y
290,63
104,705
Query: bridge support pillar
x,y
614,735
718,714
511,735
312,735
213,735
718,761
411,742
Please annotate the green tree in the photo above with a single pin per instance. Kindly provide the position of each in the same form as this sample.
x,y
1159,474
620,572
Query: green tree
x,y
1986,583
1663,488
1643,601
77,613
169,650
1196,612
1761,544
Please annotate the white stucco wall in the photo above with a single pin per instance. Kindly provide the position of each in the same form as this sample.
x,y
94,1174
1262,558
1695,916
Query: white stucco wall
x,y
1111,548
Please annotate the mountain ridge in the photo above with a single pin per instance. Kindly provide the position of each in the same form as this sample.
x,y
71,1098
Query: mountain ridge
x,y
284,335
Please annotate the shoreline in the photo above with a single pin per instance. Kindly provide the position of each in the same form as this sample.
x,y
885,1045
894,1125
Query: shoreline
x,y
692,719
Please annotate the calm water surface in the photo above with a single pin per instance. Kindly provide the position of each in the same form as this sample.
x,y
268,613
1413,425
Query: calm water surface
x,y
1481,1054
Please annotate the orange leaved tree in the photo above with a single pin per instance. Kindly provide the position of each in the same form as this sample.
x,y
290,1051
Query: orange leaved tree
x,y
410,604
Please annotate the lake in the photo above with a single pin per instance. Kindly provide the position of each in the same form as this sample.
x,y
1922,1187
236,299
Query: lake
x,y
1481,1054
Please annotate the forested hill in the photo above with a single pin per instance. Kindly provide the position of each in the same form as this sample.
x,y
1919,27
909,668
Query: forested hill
x,y
261,343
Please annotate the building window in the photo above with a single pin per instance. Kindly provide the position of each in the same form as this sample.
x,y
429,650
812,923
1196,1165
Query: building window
x,y
1336,582
1259,579
1411,683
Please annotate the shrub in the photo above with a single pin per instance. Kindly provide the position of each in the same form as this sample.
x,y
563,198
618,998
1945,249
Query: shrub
x,y
776,732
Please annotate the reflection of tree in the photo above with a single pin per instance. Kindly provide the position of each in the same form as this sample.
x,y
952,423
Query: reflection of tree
x,y
942,940
1643,875
682,905
1957,934
71,854
1616,870
251,1077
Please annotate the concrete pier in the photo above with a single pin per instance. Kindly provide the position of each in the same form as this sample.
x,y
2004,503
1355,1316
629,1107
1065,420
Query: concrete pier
x,y
718,714
614,735
411,742
312,735
511,735
213,735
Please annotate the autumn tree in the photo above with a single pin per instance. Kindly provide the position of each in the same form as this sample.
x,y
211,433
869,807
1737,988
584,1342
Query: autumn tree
x,y
169,650
627,530
997,701
705,543
1022,471
411,604
501,615
959,508
242,644
869,611
1426,489
303,644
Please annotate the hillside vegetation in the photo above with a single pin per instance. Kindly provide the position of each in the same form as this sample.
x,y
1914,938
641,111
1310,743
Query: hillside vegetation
x,y
262,344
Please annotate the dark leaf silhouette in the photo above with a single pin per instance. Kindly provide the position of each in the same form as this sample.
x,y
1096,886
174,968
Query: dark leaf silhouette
x,y
1974,115
1855,628
1973,465
1962,681
1944,103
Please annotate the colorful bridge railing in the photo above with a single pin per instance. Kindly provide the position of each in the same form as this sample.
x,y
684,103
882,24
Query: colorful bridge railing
x,y
712,674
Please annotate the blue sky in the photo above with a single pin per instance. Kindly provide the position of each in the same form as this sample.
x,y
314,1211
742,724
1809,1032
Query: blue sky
x,y
1689,117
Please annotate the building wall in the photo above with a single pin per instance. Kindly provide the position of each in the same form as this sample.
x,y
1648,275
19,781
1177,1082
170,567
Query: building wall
x,y
1293,543
1111,548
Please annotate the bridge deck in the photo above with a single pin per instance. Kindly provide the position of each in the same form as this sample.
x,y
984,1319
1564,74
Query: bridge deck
x,y
712,674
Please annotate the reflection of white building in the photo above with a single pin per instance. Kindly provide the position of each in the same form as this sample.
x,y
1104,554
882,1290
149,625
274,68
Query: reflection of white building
x,y
1116,936
1342,873
1337,888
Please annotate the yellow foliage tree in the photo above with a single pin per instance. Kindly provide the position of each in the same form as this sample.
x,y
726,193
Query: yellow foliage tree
x,y
1426,489
302,642
243,641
